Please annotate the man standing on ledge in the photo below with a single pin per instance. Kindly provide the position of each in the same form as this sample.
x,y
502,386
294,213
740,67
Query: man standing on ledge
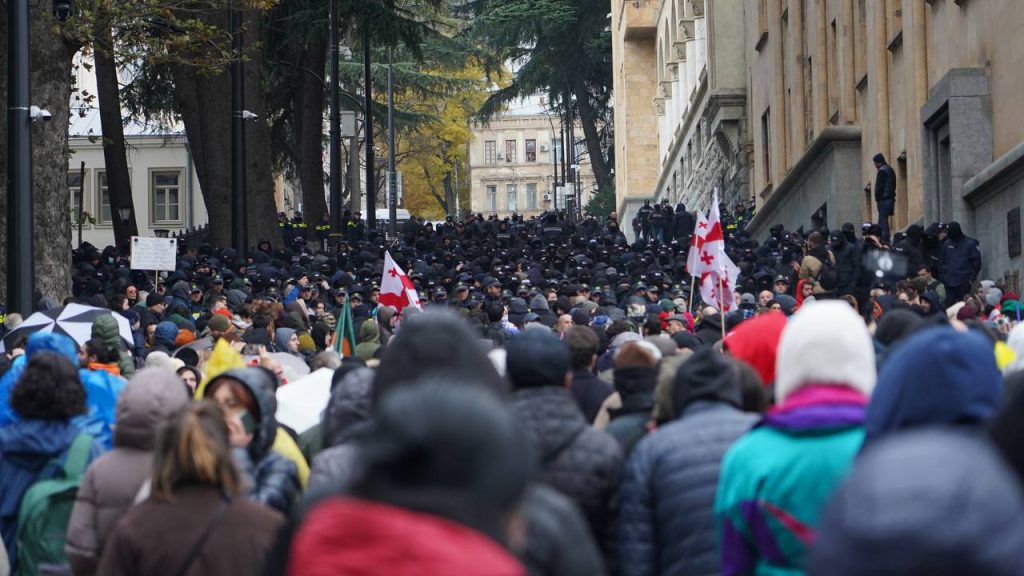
x,y
885,194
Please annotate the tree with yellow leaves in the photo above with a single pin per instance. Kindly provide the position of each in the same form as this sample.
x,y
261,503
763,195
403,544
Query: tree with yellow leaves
x,y
434,152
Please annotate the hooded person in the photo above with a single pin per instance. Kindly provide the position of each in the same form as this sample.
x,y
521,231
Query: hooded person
x,y
101,388
776,479
517,311
347,412
111,484
937,377
385,322
539,306
449,517
369,340
924,503
667,520
755,342
164,338
105,328
247,397
286,340
636,373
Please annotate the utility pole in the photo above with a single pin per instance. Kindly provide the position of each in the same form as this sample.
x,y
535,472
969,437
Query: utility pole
x,y
392,144
371,161
19,162
335,121
239,224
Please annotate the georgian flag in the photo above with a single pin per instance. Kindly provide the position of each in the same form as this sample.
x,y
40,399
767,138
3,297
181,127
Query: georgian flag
x,y
693,264
718,274
396,290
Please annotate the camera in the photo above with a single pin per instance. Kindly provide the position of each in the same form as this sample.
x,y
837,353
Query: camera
x,y
62,10
36,114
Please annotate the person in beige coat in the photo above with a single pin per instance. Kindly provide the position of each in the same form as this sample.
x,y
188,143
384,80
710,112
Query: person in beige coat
x,y
113,481
810,266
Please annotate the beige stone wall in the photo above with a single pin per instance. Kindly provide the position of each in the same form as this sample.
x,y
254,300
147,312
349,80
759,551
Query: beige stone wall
x,y
872,63
520,173
635,77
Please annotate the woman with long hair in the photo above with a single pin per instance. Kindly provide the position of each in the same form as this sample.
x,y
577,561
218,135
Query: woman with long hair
x,y
196,520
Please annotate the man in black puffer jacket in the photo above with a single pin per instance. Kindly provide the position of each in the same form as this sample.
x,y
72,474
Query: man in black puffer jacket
x,y
667,518
580,462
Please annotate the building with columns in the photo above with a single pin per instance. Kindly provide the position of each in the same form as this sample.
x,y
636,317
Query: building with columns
x,y
934,85
690,56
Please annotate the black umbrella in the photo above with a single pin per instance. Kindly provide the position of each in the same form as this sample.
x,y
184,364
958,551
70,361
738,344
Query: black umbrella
x,y
74,321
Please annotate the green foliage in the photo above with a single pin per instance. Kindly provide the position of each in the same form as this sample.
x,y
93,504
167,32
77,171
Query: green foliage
x,y
601,204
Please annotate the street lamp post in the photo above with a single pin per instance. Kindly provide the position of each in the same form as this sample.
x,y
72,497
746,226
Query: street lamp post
x,y
392,143
239,224
335,129
371,189
19,162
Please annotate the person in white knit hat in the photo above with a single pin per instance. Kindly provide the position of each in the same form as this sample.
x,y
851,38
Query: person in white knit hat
x,y
776,479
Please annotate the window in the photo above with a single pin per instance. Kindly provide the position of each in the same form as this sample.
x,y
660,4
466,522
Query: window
x,y
762,21
492,198
766,142
531,150
166,197
104,199
579,148
531,196
511,190
75,188
833,74
556,147
490,152
510,151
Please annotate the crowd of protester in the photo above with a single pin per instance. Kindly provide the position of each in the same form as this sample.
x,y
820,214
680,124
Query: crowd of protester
x,y
560,403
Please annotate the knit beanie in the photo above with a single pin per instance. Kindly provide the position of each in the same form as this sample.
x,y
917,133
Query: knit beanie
x,y
825,343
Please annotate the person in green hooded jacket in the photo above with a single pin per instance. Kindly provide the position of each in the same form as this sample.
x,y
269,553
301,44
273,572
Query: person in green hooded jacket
x,y
105,328
369,340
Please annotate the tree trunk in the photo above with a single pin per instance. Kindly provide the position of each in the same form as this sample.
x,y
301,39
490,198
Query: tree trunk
x,y
259,154
115,153
205,105
308,109
50,57
593,140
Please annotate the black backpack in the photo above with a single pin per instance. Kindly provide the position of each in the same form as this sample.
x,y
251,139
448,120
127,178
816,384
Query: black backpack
x,y
827,277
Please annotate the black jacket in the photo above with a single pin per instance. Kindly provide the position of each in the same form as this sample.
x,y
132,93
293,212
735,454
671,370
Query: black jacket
x,y
885,183
580,462
558,540
848,267
590,392
683,223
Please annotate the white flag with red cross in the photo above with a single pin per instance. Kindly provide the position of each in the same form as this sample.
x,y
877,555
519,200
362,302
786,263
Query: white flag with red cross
x,y
693,263
718,273
396,290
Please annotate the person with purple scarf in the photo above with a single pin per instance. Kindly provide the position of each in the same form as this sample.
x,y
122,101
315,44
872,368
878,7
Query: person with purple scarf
x,y
777,478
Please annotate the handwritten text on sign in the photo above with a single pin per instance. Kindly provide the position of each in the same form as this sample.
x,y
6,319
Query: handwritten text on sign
x,y
154,253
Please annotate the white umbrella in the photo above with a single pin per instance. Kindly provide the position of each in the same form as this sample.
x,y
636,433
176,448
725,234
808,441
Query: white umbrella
x,y
73,320
300,403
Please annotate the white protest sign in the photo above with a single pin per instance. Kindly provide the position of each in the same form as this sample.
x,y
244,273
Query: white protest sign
x,y
154,253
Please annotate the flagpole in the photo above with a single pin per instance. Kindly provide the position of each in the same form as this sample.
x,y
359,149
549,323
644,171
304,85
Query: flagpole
x,y
693,283
721,302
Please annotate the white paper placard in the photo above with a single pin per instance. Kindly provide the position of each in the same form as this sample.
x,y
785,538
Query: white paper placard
x,y
154,253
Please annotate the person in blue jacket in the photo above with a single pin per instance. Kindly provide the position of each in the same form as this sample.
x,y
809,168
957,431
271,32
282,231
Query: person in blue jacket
x,y
101,388
47,399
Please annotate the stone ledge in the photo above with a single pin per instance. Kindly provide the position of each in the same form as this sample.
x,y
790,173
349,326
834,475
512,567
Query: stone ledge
x,y
826,139
978,188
